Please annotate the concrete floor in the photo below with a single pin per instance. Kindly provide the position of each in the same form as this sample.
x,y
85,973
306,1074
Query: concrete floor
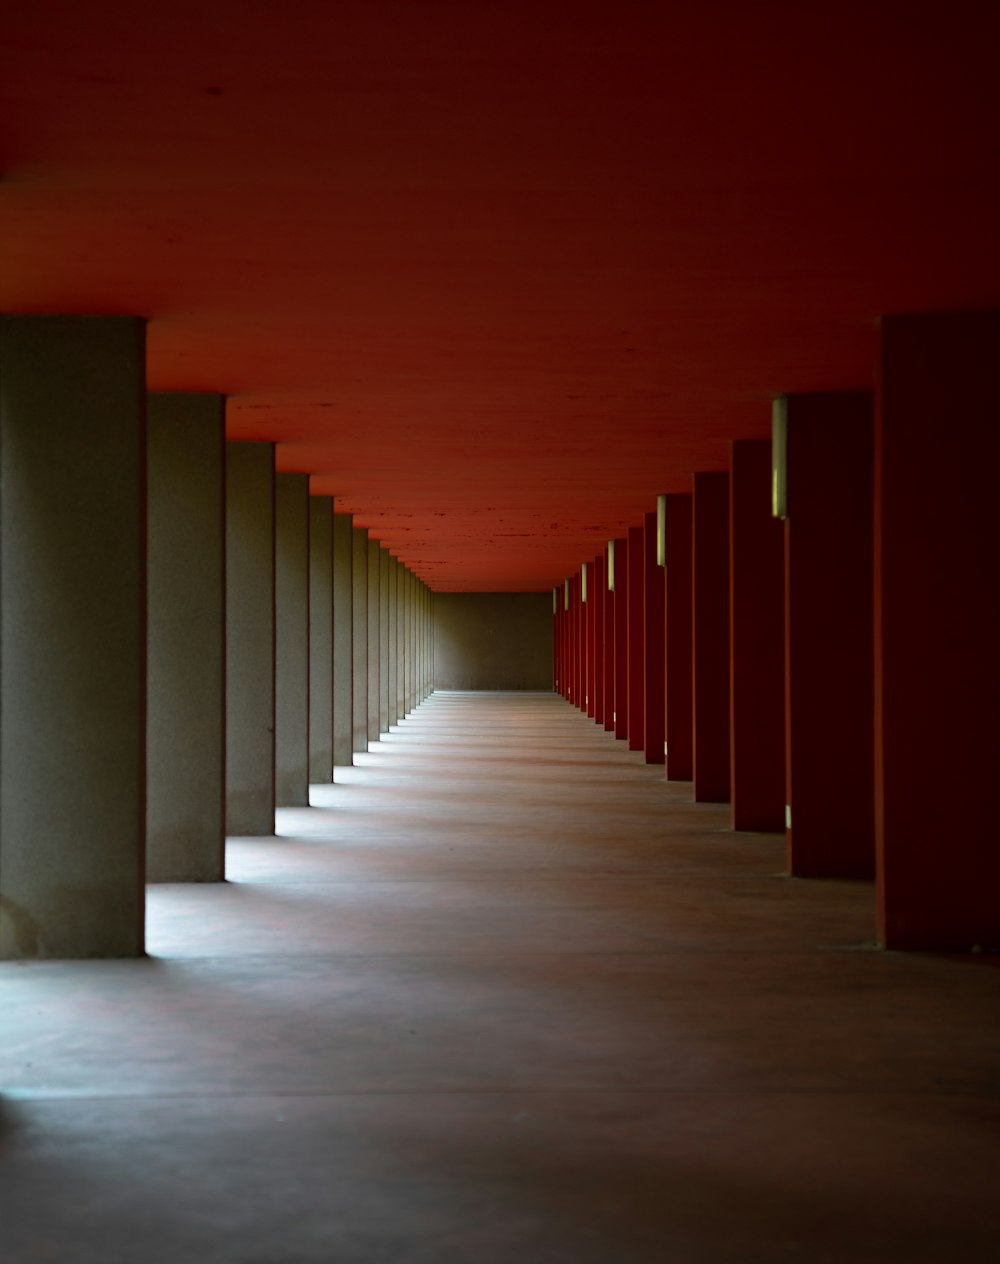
x,y
502,995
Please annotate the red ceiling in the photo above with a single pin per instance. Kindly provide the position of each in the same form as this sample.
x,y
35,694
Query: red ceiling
x,y
495,272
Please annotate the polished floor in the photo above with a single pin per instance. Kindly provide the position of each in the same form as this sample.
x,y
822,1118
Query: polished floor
x,y
502,994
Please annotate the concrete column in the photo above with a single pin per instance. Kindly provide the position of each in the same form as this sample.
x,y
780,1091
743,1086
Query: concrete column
x,y
679,650
423,641
411,648
710,548
250,629
654,702
320,639
291,733
422,634
417,647
383,640
757,643
393,626
186,663
359,669
621,638
426,598
422,610
343,640
374,635
600,586
404,638
429,625
73,636
830,698
418,640
400,635
636,639
403,632
937,628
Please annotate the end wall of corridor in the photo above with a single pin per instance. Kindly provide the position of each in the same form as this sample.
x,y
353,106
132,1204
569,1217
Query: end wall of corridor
x,y
493,640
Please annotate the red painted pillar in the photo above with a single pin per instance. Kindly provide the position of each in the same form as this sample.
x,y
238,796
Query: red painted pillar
x,y
829,636
567,651
556,646
563,661
937,629
609,651
570,643
621,637
590,693
757,642
679,660
575,612
598,672
654,702
710,562
636,639
568,639
581,645
568,633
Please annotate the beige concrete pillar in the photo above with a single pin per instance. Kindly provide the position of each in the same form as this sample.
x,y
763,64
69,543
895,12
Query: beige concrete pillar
x,y
343,641
400,631
291,730
411,701
320,639
400,641
418,641
428,643
250,638
419,598
72,636
373,638
400,644
359,665
405,612
383,640
421,642
393,647
186,666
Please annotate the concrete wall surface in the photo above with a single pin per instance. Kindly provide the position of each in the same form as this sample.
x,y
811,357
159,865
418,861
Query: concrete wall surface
x,y
493,640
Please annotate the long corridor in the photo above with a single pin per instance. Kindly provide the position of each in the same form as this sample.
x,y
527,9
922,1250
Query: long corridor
x,y
502,994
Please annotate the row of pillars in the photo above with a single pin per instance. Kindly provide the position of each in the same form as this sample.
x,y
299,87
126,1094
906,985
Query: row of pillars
x,y
812,636
188,638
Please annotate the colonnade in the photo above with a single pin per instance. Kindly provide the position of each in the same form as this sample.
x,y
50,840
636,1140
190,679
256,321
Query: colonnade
x,y
188,637
811,635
